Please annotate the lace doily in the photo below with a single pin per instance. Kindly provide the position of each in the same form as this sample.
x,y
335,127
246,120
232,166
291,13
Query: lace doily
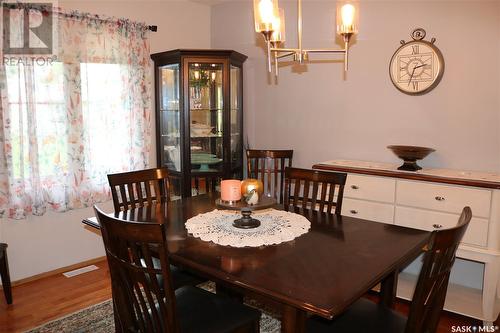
x,y
276,227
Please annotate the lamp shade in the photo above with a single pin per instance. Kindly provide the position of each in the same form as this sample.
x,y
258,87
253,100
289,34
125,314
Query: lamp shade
x,y
279,27
265,13
347,17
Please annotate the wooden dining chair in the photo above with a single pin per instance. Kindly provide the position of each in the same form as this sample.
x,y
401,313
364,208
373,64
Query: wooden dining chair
x,y
4,273
269,167
313,189
138,188
144,303
428,299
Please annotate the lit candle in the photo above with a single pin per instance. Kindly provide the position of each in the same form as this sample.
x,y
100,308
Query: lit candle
x,y
230,190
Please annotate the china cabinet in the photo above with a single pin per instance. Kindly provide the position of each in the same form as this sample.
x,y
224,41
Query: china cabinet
x,y
199,118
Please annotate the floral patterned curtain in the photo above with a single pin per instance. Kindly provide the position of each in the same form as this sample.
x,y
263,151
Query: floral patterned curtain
x,y
65,124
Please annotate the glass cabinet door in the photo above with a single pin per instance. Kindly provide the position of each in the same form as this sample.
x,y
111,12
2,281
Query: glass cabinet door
x,y
236,121
206,111
199,122
170,119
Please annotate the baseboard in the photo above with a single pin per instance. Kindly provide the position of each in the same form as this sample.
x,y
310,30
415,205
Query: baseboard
x,y
58,271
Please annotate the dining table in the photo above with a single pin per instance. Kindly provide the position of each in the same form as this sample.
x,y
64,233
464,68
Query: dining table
x,y
322,272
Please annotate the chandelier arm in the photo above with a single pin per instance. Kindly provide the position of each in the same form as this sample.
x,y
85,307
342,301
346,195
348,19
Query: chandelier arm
x,y
269,69
279,56
279,49
346,56
276,70
326,51
299,29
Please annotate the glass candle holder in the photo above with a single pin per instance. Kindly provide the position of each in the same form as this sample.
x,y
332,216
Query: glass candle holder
x,y
230,190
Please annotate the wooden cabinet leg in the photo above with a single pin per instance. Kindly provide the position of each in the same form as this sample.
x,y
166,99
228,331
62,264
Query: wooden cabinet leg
x,y
388,289
490,285
294,320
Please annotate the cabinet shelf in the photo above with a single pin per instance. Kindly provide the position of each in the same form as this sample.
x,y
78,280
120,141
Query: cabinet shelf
x,y
460,299
193,136
204,109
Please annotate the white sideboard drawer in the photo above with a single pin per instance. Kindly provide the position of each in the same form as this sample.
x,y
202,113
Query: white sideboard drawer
x,y
370,188
368,210
476,234
445,198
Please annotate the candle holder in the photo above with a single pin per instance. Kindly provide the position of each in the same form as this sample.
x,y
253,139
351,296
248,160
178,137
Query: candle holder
x,y
246,221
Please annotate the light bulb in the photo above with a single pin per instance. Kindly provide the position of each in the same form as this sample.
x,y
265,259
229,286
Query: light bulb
x,y
347,13
279,27
266,11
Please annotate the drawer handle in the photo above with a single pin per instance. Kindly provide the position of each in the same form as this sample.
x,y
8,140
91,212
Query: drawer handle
x,y
438,198
353,211
437,226
354,187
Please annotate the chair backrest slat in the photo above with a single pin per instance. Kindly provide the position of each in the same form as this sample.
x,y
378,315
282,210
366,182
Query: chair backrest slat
x,y
137,188
430,291
143,301
269,167
303,179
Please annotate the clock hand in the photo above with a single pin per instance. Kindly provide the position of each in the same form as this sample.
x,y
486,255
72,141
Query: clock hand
x,y
421,66
411,76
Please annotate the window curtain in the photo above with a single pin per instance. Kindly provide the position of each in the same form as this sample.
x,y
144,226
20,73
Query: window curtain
x,y
66,124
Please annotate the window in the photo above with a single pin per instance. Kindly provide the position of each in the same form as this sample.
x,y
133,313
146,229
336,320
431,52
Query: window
x,y
67,123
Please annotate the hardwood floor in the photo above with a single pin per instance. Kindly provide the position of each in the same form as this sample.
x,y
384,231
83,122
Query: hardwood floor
x,y
52,297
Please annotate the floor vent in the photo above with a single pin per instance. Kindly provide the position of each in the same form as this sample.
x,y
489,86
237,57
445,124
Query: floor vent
x,y
80,271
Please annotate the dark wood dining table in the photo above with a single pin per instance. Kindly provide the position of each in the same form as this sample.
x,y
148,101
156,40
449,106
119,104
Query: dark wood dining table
x,y
321,272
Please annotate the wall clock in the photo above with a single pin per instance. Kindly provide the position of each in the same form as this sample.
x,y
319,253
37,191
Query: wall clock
x,y
417,66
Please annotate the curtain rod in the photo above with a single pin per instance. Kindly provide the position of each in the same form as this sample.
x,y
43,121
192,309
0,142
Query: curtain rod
x,y
18,5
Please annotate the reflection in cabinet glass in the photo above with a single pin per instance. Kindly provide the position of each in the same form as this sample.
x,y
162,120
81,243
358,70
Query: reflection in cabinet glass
x,y
199,119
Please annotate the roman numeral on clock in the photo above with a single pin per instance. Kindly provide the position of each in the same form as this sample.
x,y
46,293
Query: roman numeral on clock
x,y
414,49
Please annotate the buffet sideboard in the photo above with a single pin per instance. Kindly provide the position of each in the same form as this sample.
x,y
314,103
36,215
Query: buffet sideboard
x,y
431,199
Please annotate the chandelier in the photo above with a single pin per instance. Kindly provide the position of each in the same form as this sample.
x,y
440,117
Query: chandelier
x,y
270,22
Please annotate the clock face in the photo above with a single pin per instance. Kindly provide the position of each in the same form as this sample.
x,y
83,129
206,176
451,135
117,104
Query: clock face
x,y
416,67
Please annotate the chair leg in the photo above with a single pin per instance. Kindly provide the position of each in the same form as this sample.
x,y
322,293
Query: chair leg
x,y
4,273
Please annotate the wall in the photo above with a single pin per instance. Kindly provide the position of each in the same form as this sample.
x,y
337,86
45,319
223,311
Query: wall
x,y
41,244
322,115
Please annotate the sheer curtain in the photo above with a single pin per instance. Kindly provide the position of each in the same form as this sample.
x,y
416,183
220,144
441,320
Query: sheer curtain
x,y
65,125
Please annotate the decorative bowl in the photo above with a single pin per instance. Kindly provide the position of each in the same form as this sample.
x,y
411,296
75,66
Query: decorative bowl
x,y
410,155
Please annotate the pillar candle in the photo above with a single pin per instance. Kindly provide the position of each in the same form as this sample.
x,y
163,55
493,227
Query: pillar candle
x,y
230,190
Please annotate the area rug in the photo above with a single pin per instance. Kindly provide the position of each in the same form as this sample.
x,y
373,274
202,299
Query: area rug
x,y
99,319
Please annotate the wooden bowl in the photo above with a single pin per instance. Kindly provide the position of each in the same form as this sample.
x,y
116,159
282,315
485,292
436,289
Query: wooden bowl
x,y
410,155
